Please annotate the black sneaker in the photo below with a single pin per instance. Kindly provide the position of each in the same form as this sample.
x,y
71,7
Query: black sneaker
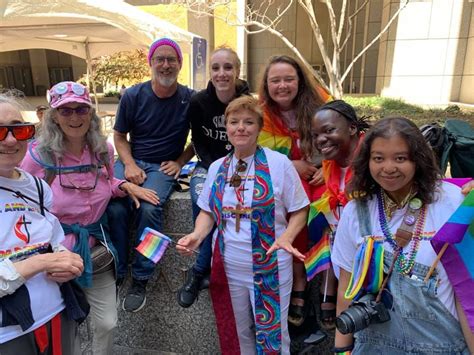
x,y
188,293
136,296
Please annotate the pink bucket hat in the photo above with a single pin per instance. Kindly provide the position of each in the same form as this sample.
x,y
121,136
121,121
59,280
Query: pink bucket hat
x,y
165,42
66,92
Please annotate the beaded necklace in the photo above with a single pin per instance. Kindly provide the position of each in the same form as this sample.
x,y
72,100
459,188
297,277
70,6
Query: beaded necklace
x,y
405,261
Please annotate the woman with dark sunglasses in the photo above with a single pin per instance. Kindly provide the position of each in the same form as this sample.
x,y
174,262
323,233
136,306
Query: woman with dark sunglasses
x,y
73,156
31,303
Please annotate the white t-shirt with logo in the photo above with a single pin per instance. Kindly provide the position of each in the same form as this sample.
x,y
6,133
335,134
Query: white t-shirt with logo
x,y
24,229
288,194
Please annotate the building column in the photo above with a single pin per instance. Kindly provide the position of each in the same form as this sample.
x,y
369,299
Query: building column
x,y
204,27
39,71
242,38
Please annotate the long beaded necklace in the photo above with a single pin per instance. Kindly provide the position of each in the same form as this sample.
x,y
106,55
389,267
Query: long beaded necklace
x,y
405,261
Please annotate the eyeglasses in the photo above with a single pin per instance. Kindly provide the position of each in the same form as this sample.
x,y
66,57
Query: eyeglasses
x,y
68,111
161,60
66,181
236,179
21,131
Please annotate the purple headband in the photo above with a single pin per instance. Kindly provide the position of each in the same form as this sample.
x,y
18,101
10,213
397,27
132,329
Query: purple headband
x,y
165,42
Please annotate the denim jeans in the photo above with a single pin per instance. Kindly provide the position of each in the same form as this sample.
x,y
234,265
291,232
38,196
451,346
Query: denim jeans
x,y
202,265
120,211
419,324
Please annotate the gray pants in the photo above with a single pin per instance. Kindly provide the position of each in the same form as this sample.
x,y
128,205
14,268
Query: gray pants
x,y
26,344
102,299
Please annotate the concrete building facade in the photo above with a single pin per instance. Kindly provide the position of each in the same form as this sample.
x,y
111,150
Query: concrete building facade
x,y
426,56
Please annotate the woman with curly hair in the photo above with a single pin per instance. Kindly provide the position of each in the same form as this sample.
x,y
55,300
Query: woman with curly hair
x,y
399,205
73,156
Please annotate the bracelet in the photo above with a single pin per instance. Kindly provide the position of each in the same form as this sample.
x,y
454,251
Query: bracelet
x,y
343,353
344,350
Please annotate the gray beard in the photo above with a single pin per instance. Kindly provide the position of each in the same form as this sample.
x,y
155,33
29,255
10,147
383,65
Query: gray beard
x,y
166,82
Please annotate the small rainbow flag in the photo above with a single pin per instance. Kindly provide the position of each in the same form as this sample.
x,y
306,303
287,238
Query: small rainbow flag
x,y
153,244
318,258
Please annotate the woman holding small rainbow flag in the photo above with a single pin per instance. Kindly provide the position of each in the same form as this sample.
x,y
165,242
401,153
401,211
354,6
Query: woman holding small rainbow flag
x,y
73,156
336,133
390,240
256,199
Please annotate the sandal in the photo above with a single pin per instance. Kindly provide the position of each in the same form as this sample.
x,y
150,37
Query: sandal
x,y
296,312
328,316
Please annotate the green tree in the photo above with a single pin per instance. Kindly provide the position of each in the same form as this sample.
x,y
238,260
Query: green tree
x,y
129,66
267,15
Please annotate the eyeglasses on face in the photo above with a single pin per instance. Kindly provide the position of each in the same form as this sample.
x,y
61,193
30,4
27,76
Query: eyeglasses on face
x,y
68,111
161,60
21,131
236,179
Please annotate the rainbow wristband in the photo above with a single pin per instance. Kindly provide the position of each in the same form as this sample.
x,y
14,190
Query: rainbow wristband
x,y
343,351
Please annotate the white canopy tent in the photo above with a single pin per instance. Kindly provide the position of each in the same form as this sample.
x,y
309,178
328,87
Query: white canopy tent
x,y
83,28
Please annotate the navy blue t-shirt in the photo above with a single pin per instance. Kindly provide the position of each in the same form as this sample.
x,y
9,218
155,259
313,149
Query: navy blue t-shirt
x,y
158,127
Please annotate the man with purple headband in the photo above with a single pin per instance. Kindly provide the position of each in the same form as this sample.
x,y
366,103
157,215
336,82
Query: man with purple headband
x,y
153,114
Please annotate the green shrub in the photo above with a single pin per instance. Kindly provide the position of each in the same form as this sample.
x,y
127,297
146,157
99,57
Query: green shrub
x,y
111,93
376,107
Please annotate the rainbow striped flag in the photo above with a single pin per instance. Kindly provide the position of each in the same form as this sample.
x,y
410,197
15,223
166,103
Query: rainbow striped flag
x,y
318,258
153,244
278,142
458,259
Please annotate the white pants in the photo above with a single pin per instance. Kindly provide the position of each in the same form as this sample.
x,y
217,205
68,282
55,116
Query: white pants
x,y
102,299
243,303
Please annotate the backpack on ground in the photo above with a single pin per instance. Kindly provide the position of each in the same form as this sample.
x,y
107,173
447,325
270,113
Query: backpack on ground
x,y
453,144
461,151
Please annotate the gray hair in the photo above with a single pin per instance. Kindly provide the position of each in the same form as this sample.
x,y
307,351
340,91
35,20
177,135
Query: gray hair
x,y
51,136
10,98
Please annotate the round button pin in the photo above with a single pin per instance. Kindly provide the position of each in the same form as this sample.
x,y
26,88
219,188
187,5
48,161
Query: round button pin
x,y
409,220
415,203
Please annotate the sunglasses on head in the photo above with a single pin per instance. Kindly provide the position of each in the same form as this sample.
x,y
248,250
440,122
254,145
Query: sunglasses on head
x,y
236,179
62,88
21,131
68,111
